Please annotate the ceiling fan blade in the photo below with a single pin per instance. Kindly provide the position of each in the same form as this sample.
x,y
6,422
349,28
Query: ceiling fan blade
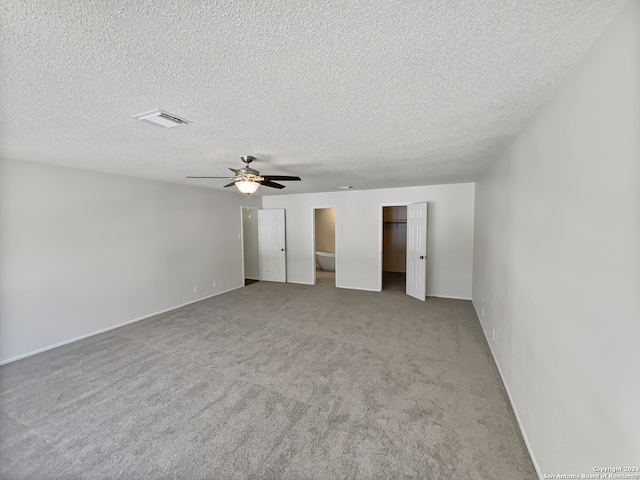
x,y
228,178
234,170
267,183
230,184
280,177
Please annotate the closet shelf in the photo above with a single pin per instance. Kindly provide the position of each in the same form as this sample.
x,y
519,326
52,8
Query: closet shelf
x,y
395,222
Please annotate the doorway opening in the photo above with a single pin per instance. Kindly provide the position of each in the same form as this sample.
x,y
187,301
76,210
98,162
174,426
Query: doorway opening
x,y
394,248
250,255
324,245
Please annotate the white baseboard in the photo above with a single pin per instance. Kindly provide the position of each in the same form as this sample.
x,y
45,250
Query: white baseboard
x,y
75,339
378,290
513,406
359,288
448,296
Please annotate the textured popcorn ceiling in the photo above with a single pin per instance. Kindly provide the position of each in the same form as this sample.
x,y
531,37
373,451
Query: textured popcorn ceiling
x,y
366,93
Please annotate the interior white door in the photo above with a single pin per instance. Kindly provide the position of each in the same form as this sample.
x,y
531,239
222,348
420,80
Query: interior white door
x,y
271,245
416,276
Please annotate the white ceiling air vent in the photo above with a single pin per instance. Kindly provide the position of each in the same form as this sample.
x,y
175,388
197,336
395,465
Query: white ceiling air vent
x,y
161,119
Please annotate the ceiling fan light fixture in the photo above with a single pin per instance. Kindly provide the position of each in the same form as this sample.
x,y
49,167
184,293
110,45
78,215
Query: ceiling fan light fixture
x,y
247,186
248,180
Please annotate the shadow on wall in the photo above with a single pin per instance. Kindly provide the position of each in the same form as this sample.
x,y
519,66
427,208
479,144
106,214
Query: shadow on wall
x,y
250,243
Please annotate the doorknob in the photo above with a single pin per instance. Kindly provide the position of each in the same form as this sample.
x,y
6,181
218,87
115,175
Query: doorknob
x,y
282,249
422,257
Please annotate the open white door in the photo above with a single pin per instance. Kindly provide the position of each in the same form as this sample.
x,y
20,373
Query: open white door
x,y
417,250
271,245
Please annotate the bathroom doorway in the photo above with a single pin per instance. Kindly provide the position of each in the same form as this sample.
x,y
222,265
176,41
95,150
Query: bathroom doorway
x,y
394,248
324,245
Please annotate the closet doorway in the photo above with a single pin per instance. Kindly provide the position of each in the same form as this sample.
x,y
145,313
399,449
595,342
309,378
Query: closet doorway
x,y
324,245
250,255
394,248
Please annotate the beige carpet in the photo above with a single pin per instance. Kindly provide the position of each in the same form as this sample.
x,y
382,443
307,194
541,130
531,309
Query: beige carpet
x,y
325,278
270,381
394,281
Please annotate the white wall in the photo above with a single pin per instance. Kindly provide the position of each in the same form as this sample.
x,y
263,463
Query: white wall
x,y
557,263
358,230
84,251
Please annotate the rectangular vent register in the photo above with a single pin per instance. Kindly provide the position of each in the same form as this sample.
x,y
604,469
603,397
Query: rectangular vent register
x,y
161,118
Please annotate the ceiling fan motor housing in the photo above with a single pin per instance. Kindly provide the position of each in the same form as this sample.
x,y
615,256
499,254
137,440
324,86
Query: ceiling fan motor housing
x,y
249,171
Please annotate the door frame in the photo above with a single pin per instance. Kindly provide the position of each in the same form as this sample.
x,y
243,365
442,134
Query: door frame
x,y
248,207
313,241
381,237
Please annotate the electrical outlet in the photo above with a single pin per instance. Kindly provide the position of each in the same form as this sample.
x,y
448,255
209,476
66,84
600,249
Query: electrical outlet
x,y
214,284
195,289
493,333
483,311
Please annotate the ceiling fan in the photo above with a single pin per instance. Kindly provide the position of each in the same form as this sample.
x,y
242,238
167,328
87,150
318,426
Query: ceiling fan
x,y
248,180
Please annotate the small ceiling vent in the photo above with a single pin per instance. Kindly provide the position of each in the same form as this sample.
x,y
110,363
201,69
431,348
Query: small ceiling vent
x,y
161,119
